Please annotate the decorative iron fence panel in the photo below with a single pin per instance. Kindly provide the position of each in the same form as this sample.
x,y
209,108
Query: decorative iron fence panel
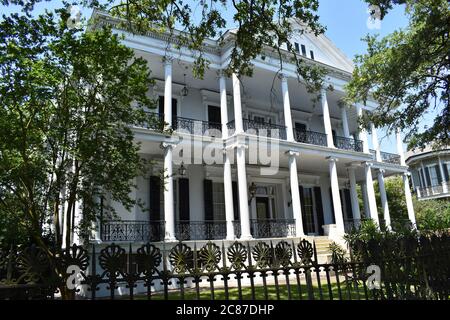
x,y
410,269
201,230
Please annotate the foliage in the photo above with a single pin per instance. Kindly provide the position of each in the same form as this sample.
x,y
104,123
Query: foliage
x,y
432,215
262,26
337,253
65,112
407,73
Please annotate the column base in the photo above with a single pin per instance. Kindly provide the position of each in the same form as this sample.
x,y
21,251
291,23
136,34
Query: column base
x,y
246,238
170,239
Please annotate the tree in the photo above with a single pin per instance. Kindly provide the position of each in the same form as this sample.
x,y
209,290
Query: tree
x,y
65,117
261,25
407,73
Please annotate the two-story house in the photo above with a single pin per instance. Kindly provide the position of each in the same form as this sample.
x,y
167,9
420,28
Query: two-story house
x,y
321,155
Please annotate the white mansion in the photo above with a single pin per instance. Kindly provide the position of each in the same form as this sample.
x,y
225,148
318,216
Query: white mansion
x,y
321,155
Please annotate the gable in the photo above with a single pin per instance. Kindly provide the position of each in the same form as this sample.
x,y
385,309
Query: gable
x,y
323,49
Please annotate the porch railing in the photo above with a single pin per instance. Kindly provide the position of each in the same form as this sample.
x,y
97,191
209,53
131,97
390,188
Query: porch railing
x,y
310,137
424,192
192,126
348,144
132,230
198,127
201,230
272,228
390,158
258,128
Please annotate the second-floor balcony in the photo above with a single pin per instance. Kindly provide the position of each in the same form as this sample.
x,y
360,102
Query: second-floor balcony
x,y
264,129
386,157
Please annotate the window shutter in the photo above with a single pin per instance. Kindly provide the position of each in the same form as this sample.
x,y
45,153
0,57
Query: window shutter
x,y
332,206
319,209
161,105
446,169
184,198
348,205
427,174
235,201
155,189
208,199
302,203
438,173
174,109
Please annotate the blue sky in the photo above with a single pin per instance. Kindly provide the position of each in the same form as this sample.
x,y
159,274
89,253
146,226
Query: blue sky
x,y
346,22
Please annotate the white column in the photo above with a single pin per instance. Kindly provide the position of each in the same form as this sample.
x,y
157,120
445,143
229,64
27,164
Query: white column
x,y
365,199
239,127
227,179
287,109
168,91
169,210
336,198
295,194
326,118
375,143
243,193
372,202
443,182
223,104
400,147
362,133
354,194
345,122
384,200
408,197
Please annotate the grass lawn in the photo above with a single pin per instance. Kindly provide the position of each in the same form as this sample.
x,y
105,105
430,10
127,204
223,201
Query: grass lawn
x,y
347,293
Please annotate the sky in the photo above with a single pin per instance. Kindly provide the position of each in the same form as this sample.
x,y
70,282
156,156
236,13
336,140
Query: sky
x,y
346,23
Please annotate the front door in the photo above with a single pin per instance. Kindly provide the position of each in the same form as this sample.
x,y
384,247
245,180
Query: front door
x,y
309,221
262,208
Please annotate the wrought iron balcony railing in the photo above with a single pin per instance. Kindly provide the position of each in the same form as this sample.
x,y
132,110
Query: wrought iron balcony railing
x,y
272,228
132,230
201,230
348,144
262,129
181,124
310,137
197,127
390,158
386,157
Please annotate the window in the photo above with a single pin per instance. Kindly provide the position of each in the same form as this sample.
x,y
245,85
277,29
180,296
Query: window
x,y
303,50
300,127
218,201
433,175
311,53
297,47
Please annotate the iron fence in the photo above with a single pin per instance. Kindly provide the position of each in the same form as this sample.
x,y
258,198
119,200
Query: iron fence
x,y
420,269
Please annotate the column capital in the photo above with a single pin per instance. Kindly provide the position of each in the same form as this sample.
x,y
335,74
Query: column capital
x,y
292,153
167,59
282,76
367,164
166,144
332,159
381,171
